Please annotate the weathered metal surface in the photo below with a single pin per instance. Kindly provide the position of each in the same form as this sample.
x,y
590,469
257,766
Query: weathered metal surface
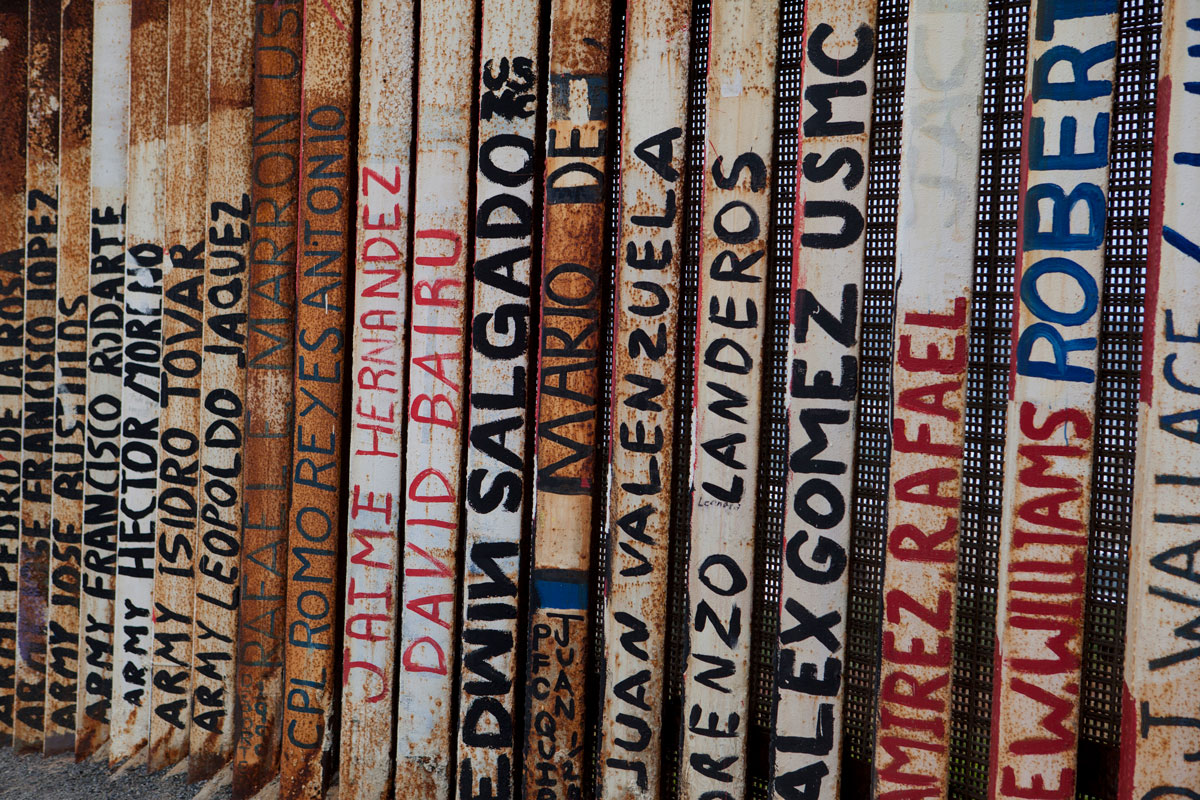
x,y
498,445
270,337
374,511
41,264
13,90
646,307
1052,397
222,388
1160,713
70,374
129,724
182,360
935,248
572,290
437,374
325,242
105,332
736,216
828,248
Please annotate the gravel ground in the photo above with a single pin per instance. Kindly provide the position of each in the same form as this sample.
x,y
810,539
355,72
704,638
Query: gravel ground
x,y
31,777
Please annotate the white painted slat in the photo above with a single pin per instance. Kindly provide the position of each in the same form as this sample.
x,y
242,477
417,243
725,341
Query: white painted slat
x,y
828,247
378,406
730,330
1069,81
145,234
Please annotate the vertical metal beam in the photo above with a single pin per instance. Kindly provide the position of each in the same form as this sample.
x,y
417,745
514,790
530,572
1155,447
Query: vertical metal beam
x,y
498,446
324,241
145,232
222,387
573,260
828,248
105,355
378,410
270,360
70,374
641,455
1069,82
14,20
1160,714
41,265
434,446
182,359
732,312
935,249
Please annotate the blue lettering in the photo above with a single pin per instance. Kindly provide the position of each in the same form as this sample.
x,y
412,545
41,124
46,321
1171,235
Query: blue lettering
x,y
1080,87
1059,237
1050,11
1068,157
1032,298
1058,369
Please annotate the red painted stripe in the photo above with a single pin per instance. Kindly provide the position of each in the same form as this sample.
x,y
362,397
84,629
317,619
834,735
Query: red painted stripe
x,y
1158,184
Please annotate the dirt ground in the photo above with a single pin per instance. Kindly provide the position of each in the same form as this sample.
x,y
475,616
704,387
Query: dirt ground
x,y
32,777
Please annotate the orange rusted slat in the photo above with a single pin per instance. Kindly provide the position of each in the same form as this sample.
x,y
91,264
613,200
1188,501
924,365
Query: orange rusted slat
x,y
378,407
437,373
13,27
270,332
736,215
935,248
649,253
324,241
1160,714
182,359
105,355
1052,398
828,247
129,725
572,281
222,389
70,375
41,265
498,445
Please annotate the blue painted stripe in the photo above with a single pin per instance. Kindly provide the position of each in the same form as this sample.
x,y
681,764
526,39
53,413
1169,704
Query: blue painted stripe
x,y
563,595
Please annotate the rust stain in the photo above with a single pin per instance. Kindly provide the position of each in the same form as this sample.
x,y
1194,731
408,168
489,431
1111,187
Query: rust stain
x,y
375,468
269,394
75,233
650,250
572,288
13,77
41,246
222,390
318,496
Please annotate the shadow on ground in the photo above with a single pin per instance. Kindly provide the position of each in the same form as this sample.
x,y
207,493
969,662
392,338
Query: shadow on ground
x,y
32,777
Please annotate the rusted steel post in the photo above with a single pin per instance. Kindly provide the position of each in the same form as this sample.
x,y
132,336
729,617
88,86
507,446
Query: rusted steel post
x,y
736,218
572,281
70,375
385,136
641,454
14,20
1069,80
935,249
498,444
325,240
270,338
828,247
105,351
222,388
1160,714
41,265
129,725
182,359
437,373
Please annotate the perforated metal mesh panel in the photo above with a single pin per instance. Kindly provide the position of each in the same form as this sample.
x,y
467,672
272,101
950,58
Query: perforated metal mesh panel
x,y
987,396
869,506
